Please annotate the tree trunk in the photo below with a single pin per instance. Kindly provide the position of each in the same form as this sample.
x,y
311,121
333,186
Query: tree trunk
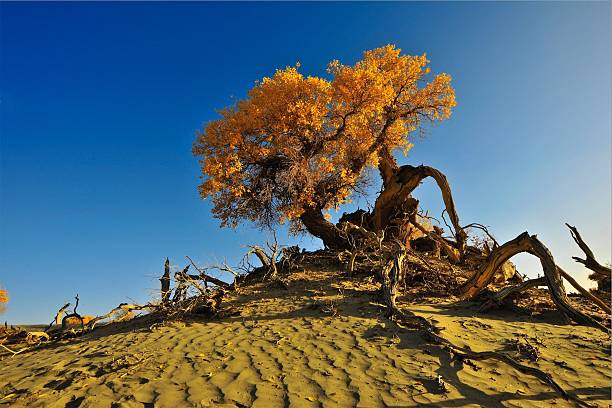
x,y
391,276
165,283
395,199
317,225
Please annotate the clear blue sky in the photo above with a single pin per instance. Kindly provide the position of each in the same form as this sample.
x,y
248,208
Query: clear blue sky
x,y
100,101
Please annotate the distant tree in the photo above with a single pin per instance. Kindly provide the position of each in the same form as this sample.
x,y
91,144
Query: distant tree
x,y
4,298
298,145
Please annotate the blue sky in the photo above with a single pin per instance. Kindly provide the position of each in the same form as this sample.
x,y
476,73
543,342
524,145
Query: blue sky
x,y
100,102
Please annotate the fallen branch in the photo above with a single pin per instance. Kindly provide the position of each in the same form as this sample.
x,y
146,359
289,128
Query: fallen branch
x,y
601,274
58,316
503,294
602,305
529,244
206,277
15,352
126,307
73,314
452,253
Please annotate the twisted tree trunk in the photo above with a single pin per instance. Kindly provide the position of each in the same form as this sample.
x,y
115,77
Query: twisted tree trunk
x,y
395,201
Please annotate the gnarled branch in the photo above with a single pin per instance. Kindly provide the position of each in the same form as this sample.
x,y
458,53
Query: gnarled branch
x,y
590,261
529,244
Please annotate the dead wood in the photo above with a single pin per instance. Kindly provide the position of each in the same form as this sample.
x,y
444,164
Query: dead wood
x,y
123,307
602,305
451,252
391,275
15,352
58,316
529,244
165,283
74,314
205,277
261,255
505,293
431,332
267,261
601,274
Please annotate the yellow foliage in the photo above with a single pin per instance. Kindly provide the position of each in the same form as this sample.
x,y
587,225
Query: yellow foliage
x,y
73,320
302,142
4,298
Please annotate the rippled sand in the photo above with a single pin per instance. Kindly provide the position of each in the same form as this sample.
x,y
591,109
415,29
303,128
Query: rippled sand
x,y
322,342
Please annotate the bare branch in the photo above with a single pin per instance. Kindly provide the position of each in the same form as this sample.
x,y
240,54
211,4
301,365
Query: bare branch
x,y
529,244
590,261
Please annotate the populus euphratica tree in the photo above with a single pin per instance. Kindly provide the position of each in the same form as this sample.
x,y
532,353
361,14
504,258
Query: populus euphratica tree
x,y
298,146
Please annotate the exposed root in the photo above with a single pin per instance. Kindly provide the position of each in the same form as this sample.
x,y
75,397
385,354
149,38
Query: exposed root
x,y
389,276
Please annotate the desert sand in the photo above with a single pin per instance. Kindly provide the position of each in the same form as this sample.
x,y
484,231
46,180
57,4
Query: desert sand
x,y
321,342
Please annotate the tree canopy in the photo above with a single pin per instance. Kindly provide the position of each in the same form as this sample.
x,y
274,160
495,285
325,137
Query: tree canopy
x,y
298,145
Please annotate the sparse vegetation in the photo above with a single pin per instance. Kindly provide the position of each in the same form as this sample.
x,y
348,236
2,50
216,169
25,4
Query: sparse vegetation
x,y
300,146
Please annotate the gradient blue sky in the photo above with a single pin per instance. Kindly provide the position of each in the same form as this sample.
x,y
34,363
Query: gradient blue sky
x,y
100,101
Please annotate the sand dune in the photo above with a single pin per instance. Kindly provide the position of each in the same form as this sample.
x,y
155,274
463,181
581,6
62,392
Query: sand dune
x,y
321,343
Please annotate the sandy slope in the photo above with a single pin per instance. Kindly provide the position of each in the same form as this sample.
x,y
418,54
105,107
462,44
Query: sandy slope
x,y
324,343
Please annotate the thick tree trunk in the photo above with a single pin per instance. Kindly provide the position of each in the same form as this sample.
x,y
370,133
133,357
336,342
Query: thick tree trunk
x,y
395,200
317,225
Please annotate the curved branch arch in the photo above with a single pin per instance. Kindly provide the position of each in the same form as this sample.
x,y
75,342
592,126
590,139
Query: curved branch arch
x,y
531,245
401,185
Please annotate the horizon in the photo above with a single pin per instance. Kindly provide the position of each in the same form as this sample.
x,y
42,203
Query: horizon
x,y
100,104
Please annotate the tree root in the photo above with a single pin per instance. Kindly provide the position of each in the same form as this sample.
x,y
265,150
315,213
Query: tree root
x,y
431,333
390,275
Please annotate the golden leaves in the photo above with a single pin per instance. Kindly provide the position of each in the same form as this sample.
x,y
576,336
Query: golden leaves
x,y
299,142
4,298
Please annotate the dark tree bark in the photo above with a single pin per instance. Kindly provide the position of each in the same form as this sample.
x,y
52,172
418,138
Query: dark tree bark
x,y
165,283
395,200
316,224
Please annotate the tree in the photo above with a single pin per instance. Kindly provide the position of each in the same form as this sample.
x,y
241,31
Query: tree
x,y
4,298
298,146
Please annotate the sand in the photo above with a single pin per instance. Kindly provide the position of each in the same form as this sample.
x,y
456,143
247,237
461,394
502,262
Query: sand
x,y
322,343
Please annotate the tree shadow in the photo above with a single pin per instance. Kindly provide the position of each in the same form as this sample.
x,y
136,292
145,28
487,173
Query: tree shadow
x,y
449,373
